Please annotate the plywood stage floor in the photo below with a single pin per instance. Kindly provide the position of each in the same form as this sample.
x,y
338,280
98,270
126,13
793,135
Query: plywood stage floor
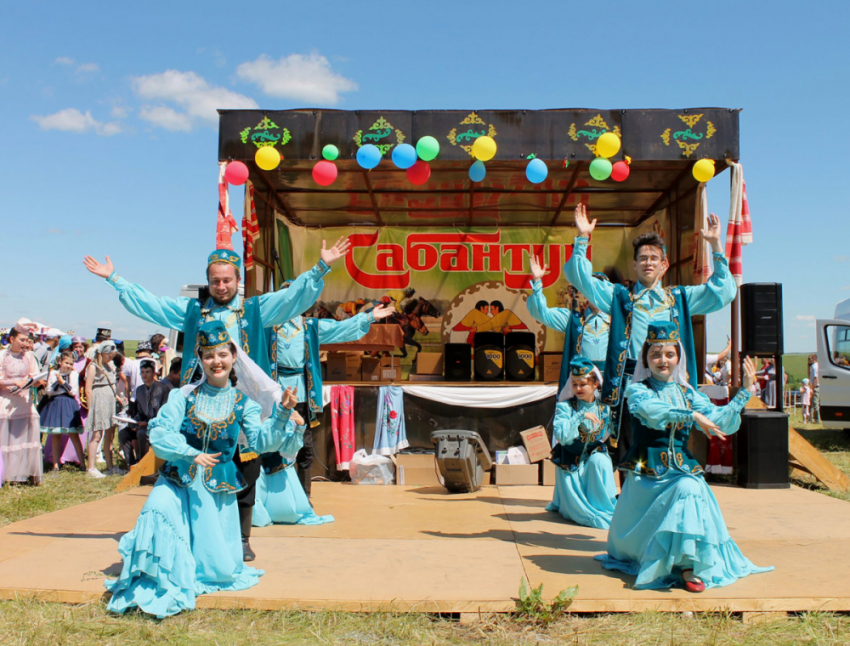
x,y
420,549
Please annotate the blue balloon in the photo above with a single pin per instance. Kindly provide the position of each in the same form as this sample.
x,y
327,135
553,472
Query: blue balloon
x,y
368,156
536,171
404,155
477,172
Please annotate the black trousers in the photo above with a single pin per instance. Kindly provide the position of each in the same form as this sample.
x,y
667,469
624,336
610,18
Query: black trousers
x,y
623,418
304,458
250,470
125,441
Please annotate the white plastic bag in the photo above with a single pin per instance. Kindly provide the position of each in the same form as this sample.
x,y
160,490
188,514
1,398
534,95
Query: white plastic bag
x,y
370,469
518,455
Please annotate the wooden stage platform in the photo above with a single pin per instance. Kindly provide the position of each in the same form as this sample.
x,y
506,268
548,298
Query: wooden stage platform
x,y
420,549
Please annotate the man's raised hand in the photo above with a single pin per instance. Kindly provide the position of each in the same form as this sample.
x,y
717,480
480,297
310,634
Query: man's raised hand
x,y
585,227
383,311
711,233
336,252
290,398
538,269
98,268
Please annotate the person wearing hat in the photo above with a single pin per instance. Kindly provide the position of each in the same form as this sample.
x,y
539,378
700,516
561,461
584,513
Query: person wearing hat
x,y
667,528
585,329
132,368
295,364
584,484
186,539
103,402
150,395
43,351
632,310
246,320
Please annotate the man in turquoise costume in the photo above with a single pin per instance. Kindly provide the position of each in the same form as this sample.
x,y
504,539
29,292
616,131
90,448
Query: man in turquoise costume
x,y
648,301
585,329
294,359
246,320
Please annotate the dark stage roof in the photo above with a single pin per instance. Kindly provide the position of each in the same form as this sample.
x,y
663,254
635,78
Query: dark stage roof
x,y
662,144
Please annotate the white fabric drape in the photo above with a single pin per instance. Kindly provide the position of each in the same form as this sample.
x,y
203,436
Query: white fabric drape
x,y
483,397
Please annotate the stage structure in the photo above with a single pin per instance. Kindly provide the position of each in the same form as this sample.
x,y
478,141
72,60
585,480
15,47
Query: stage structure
x,y
461,243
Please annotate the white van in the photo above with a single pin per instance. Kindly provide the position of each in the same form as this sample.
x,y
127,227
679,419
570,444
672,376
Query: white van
x,y
834,367
175,337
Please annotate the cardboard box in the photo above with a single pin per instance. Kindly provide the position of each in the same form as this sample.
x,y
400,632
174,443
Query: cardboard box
x,y
370,369
547,473
417,469
517,474
537,443
429,363
343,366
390,369
550,366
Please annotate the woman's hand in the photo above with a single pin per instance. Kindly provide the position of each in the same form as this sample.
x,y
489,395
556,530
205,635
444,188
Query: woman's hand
x,y
592,419
296,417
334,253
707,426
207,460
538,269
20,383
585,227
290,398
98,268
383,311
749,377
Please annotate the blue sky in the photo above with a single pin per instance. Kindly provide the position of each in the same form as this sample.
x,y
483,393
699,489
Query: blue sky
x,y
108,128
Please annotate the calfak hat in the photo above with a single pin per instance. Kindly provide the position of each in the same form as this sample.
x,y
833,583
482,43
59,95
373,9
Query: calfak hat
x,y
581,366
662,332
103,334
144,346
226,256
212,335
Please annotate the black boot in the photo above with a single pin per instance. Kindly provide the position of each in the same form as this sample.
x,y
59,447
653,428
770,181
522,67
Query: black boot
x,y
306,478
245,523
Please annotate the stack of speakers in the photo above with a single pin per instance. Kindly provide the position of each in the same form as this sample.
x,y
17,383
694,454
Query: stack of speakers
x,y
492,357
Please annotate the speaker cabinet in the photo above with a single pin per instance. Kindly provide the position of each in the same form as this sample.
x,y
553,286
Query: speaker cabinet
x,y
519,356
489,358
761,319
463,459
763,450
458,361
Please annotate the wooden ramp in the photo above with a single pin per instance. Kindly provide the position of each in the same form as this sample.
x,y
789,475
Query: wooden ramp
x,y
420,549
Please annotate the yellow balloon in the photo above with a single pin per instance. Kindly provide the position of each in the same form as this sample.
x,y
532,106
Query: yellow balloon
x,y
704,170
267,158
608,145
484,148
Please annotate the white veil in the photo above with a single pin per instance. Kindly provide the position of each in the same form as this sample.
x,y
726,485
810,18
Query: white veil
x,y
680,372
251,380
567,391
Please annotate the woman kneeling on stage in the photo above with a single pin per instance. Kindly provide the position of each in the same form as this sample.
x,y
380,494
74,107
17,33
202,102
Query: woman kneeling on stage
x,y
584,484
187,541
667,529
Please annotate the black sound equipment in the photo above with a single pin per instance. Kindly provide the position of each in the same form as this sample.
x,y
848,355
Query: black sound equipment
x,y
763,450
761,319
489,359
519,356
463,459
458,362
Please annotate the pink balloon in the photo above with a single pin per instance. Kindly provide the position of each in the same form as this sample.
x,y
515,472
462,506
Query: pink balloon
x,y
236,173
419,173
325,173
620,171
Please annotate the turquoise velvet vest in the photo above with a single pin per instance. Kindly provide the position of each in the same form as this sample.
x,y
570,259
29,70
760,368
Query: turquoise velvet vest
x,y
570,456
222,437
654,453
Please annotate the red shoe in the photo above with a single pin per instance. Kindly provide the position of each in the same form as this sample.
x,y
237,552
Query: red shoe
x,y
696,585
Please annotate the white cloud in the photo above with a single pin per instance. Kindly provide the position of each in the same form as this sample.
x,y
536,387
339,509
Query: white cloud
x,y
198,99
81,68
846,288
72,120
804,317
88,67
303,78
64,60
841,258
119,111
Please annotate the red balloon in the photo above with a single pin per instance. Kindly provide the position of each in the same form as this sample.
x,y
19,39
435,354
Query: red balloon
x,y
620,171
325,173
236,173
419,173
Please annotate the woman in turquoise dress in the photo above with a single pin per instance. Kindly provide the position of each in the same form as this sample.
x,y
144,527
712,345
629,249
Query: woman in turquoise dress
x,y
584,483
187,539
667,528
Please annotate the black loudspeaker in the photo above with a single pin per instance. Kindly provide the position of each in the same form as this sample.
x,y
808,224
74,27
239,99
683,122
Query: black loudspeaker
x,y
489,360
761,319
458,362
763,450
519,356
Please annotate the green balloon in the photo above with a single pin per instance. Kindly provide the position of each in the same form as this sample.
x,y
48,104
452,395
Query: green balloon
x,y
600,169
427,148
330,152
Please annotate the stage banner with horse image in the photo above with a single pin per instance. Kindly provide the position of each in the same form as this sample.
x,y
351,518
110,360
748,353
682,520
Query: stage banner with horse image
x,y
450,283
